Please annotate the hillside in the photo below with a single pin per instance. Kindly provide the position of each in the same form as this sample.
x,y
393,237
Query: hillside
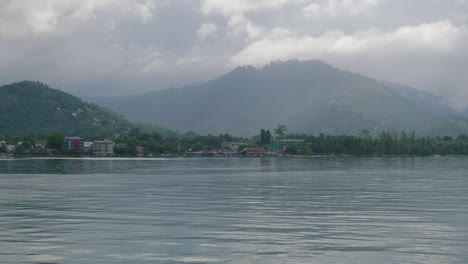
x,y
306,96
28,108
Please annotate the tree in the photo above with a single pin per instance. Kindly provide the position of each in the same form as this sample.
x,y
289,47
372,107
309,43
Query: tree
x,y
20,149
365,133
262,137
134,132
151,145
26,145
268,137
290,151
280,131
157,136
56,141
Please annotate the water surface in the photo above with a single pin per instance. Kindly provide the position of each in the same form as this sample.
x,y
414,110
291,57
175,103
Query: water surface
x,y
234,210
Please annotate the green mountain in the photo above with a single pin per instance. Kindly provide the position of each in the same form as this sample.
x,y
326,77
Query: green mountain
x,y
306,96
33,108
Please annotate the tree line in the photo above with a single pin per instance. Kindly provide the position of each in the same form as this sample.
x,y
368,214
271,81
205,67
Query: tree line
x,y
387,143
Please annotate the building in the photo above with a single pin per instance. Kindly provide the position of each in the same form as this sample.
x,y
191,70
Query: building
x,y
229,152
88,146
281,145
11,148
103,148
231,145
254,151
40,145
140,150
74,143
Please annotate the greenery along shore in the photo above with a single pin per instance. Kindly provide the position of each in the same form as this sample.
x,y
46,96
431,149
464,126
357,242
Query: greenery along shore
x,y
156,143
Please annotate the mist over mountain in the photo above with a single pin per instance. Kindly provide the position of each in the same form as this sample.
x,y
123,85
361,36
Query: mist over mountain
x,y
33,108
306,96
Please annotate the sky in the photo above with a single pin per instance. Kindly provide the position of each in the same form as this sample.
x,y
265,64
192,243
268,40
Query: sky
x,y
118,47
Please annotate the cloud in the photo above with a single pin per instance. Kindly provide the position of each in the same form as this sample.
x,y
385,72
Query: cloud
x,y
239,6
207,30
428,56
239,24
20,18
437,37
338,8
127,46
237,14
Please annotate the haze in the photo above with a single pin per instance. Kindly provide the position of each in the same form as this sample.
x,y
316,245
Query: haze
x,y
117,47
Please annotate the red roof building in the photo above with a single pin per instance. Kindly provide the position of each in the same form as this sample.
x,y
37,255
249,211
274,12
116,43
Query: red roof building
x,y
254,151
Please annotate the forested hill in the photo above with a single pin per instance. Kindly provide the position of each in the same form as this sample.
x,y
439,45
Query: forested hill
x,y
306,96
33,108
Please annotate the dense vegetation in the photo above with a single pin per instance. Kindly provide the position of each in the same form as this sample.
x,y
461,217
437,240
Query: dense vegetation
x,y
385,144
399,144
33,109
307,96
156,143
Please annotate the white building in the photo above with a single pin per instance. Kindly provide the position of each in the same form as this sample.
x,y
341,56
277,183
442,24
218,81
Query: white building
x,y
103,148
88,146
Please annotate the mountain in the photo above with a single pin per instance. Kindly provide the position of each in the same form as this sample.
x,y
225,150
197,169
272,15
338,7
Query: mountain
x,y
28,108
306,96
429,102
465,111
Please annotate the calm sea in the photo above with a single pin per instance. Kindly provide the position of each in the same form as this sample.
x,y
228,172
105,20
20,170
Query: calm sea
x,y
234,210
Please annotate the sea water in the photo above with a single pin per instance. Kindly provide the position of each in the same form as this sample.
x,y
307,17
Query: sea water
x,y
234,210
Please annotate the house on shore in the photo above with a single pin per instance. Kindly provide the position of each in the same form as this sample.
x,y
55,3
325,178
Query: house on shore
x,y
74,143
40,145
140,150
88,146
231,145
103,148
281,145
254,151
229,152
11,148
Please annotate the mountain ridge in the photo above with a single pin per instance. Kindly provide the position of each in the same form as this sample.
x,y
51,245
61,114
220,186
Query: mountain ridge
x,y
306,96
31,107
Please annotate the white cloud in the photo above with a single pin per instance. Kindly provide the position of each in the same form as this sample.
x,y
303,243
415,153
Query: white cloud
x,y
237,14
239,24
19,18
428,56
338,8
82,43
437,37
238,6
206,30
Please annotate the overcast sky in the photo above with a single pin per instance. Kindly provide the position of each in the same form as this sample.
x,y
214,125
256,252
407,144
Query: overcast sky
x,y
114,47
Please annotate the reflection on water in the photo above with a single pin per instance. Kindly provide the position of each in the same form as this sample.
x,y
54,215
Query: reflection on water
x,y
234,210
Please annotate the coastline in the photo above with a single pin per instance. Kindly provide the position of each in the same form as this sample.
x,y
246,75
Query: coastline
x,y
158,157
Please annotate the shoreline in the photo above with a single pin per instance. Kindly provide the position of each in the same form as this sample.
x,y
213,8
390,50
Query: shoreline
x,y
84,157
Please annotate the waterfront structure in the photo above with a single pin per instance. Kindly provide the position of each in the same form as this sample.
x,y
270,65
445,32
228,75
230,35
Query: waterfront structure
x,y
229,152
140,150
74,143
254,151
281,145
11,148
231,145
88,146
103,148
40,145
